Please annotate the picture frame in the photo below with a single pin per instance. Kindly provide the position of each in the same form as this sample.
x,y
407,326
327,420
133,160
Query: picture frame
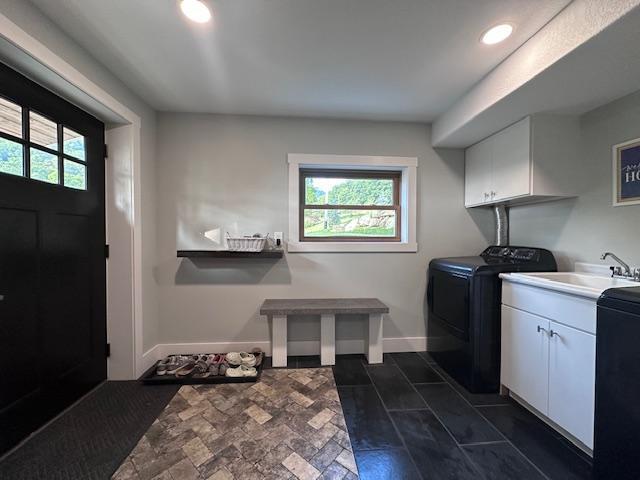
x,y
626,173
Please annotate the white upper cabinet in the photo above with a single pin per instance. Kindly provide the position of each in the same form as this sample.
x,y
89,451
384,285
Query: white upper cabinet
x,y
532,160
478,173
511,166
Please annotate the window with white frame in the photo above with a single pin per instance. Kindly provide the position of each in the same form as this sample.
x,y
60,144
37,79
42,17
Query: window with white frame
x,y
352,203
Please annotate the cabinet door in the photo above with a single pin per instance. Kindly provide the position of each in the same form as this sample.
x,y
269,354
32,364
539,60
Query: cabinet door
x,y
572,366
511,167
477,178
524,365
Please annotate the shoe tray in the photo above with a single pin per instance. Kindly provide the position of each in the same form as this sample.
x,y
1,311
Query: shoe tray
x,y
150,378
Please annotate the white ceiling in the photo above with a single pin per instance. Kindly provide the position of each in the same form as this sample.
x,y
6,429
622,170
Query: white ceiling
x,y
374,59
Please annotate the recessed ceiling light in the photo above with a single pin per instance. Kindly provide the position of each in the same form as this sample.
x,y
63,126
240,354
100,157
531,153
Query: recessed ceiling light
x,y
497,34
195,10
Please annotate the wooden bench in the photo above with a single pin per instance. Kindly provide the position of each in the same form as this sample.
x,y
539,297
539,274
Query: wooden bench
x,y
327,308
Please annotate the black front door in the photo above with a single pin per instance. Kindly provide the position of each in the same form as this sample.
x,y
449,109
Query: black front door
x,y
52,264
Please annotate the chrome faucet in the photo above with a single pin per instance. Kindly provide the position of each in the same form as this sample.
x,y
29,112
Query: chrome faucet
x,y
618,271
627,269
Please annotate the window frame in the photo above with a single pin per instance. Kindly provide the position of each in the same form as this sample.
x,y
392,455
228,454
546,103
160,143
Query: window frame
x,y
27,144
407,166
395,176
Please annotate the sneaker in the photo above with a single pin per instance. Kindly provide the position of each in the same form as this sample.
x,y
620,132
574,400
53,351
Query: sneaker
x,y
169,363
161,368
242,371
241,358
214,364
222,370
178,361
204,366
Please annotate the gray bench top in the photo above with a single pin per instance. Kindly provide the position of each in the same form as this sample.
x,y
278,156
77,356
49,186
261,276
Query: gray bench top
x,y
318,306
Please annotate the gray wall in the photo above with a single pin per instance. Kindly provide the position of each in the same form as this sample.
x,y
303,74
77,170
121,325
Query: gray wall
x,y
230,173
30,19
580,229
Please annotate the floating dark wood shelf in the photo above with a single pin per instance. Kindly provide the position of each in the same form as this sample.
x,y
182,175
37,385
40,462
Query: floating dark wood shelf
x,y
228,254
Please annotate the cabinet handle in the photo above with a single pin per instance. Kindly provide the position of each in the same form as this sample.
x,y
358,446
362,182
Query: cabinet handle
x,y
552,333
540,329
486,195
493,194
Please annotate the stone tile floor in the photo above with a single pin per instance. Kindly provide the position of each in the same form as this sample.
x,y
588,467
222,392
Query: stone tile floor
x,y
407,419
288,425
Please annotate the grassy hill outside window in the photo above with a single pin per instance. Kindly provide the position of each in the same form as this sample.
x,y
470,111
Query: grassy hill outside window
x,y
349,205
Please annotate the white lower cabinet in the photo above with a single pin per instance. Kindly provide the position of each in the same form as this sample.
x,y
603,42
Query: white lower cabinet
x,y
525,356
572,367
552,367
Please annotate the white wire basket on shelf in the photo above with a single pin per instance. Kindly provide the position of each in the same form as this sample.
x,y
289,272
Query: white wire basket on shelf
x,y
246,243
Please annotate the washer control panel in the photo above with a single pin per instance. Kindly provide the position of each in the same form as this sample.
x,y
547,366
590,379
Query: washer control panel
x,y
521,254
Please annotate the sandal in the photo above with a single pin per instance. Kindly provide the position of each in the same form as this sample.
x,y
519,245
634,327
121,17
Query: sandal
x,y
242,371
241,358
186,369
259,356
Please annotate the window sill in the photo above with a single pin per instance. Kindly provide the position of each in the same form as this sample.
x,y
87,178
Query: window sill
x,y
351,247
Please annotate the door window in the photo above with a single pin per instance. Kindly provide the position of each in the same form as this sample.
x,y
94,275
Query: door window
x,y
35,146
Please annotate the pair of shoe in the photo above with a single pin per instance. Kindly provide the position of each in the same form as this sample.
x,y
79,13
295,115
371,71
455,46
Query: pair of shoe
x,y
210,366
246,363
241,358
174,363
242,371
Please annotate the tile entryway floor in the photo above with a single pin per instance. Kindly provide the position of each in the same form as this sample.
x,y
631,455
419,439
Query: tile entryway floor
x,y
408,420
288,425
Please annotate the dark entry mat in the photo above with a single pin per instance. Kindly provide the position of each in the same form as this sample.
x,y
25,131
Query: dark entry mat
x,y
92,439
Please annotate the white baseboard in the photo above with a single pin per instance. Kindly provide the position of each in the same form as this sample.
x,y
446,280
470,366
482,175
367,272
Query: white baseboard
x,y
310,347
405,344
149,357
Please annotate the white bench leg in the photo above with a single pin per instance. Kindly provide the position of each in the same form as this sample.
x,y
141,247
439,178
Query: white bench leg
x,y
327,339
374,354
279,341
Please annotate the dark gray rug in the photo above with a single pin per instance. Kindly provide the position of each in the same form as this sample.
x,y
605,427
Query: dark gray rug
x,y
93,438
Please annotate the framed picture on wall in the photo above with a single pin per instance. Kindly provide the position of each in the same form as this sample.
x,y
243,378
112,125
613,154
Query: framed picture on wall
x,y
626,173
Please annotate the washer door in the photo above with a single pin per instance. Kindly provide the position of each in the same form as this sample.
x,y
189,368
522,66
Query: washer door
x,y
448,298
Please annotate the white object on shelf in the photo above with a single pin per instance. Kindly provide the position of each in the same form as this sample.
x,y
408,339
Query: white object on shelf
x,y
245,244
